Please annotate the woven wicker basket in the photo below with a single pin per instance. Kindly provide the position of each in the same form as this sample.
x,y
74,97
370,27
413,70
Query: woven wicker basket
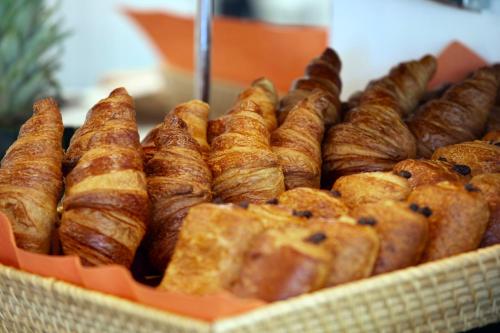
x,y
451,295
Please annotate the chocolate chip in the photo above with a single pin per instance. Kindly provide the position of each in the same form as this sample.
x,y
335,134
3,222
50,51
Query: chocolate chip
x,y
273,201
367,221
316,238
442,159
462,169
302,213
425,211
497,144
414,207
405,174
471,188
218,201
244,204
335,194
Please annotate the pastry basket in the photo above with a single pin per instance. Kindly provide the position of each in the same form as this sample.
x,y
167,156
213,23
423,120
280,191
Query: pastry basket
x,y
452,295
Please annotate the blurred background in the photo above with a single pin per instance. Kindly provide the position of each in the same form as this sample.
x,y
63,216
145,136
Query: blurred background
x,y
80,50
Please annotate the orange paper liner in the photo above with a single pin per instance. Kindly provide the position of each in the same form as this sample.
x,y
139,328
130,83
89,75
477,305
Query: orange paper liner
x,y
116,280
454,63
242,50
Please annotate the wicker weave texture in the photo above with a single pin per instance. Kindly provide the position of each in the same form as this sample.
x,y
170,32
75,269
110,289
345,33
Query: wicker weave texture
x,y
29,303
451,295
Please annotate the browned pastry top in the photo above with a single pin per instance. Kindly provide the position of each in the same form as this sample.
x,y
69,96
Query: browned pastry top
x,y
403,233
374,136
458,216
322,74
427,172
243,165
195,115
321,204
111,121
459,115
489,185
480,156
370,187
31,178
297,142
178,178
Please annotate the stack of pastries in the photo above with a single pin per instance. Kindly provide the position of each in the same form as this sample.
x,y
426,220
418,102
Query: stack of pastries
x,y
237,203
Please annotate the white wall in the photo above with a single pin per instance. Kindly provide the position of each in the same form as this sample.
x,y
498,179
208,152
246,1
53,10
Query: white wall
x,y
372,36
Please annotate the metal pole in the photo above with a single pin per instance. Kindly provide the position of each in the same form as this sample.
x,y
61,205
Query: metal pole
x,y
203,42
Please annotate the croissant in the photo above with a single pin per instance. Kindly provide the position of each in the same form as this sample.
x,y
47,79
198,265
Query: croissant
x,y
489,185
458,216
493,124
297,142
31,178
320,203
322,73
263,94
178,178
459,115
195,115
111,121
374,136
243,165
479,156
402,230
428,172
371,187
106,201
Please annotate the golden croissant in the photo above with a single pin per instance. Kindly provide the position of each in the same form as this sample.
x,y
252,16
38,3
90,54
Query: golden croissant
x,y
241,160
178,178
263,94
106,201
195,115
111,121
31,178
297,142
374,136
322,73
459,115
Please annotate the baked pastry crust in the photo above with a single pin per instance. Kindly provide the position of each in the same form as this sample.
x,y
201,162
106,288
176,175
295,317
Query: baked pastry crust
x,y
244,167
479,156
489,185
31,178
297,142
195,115
428,172
178,178
459,115
374,136
105,207
403,233
369,187
458,219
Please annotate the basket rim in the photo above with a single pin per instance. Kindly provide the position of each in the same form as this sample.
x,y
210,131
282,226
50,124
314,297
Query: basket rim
x,y
268,311
280,308
118,303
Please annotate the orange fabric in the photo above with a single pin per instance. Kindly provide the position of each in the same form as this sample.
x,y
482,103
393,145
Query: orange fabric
x,y
242,50
455,62
117,281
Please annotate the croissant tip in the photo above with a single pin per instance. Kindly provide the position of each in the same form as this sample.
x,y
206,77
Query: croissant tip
x,y
44,104
119,91
265,83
